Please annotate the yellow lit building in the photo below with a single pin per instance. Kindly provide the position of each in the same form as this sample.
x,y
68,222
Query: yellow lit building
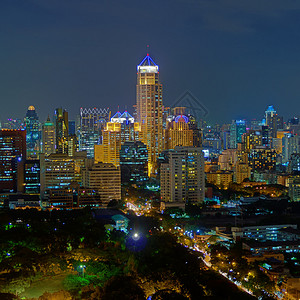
x,y
178,133
220,178
150,110
121,129
48,137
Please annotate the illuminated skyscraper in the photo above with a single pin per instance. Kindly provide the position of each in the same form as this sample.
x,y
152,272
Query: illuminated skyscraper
x,y
62,130
33,134
121,129
150,110
237,129
48,137
182,176
92,121
12,158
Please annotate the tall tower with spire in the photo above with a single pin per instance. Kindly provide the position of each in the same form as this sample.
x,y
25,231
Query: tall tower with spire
x,y
150,110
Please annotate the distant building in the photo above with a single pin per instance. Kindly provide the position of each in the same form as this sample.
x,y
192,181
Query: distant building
x,y
242,171
106,178
57,171
134,162
237,129
121,129
92,121
32,176
48,137
262,158
294,163
220,178
293,183
180,131
12,158
62,130
182,177
33,132
290,145
74,197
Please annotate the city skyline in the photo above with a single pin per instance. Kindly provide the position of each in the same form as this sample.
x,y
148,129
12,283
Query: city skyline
x,y
240,58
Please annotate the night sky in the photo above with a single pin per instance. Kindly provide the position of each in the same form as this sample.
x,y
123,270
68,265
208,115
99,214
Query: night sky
x,y
236,56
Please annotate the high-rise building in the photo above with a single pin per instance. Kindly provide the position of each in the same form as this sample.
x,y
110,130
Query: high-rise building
x,y
12,158
178,132
32,176
121,129
237,129
62,130
92,121
150,110
252,139
33,132
294,187
294,164
12,124
274,121
57,171
182,176
106,178
48,137
290,145
134,162
262,159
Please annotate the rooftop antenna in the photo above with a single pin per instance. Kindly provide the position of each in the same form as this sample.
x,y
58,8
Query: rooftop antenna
x,y
148,50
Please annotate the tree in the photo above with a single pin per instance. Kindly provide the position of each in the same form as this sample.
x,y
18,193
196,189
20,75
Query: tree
x,y
122,287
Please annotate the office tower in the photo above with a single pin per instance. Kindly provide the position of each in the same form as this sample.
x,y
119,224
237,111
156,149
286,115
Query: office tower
x,y
48,137
121,129
12,158
134,162
72,127
294,164
106,178
265,140
72,144
57,171
220,178
237,129
130,130
150,110
74,197
262,159
241,172
33,134
274,121
252,139
62,130
290,145
32,176
92,121
226,139
182,130
178,132
294,187
182,177
12,124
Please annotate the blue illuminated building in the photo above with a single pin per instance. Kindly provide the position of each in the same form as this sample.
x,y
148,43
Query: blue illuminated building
x,y
33,132
12,157
32,176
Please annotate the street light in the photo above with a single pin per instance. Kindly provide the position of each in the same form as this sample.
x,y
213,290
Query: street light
x,y
82,267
